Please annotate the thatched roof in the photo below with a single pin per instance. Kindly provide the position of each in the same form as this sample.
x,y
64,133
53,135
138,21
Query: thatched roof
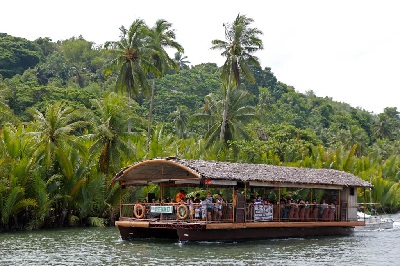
x,y
173,168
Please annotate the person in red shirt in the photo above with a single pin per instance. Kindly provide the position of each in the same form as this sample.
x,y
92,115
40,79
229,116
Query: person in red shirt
x,y
180,196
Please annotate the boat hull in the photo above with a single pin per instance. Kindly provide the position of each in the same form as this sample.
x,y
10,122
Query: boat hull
x,y
132,233
228,232
258,233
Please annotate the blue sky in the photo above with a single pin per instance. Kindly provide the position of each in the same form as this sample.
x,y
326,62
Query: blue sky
x,y
346,50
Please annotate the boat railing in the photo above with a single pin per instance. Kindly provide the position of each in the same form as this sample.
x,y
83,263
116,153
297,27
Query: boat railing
x,y
227,212
292,212
177,212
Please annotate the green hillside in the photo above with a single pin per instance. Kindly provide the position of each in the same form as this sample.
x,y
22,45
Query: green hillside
x,y
73,114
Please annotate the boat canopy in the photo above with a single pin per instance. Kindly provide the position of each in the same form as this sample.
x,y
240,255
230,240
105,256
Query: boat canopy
x,y
195,172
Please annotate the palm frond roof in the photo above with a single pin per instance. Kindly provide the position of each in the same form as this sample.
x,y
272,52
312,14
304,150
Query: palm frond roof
x,y
175,169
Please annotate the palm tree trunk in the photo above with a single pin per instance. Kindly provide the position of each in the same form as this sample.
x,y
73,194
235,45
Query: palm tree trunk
x,y
225,114
150,115
129,122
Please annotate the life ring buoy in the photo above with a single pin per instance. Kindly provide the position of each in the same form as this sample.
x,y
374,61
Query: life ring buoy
x,y
182,211
139,211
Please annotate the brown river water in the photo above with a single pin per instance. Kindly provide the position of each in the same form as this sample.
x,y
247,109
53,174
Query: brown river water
x,y
103,246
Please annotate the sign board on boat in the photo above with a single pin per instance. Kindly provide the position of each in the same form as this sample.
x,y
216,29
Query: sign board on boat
x,y
161,209
263,212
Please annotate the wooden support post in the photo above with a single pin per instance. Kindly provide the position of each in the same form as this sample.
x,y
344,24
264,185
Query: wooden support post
x,y
279,204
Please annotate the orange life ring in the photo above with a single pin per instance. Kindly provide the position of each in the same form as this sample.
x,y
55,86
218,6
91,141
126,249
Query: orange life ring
x,y
182,211
139,211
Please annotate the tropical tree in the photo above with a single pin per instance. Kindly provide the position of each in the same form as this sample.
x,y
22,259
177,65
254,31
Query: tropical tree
x,y
181,120
110,141
181,60
53,135
239,114
53,131
17,54
162,37
387,124
208,114
6,113
161,144
132,56
17,202
240,43
264,103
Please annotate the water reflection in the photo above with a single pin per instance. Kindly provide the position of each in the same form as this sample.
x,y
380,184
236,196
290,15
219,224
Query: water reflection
x,y
103,246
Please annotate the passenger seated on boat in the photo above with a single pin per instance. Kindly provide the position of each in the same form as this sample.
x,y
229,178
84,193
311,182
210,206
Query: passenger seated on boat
x,y
296,211
325,214
315,213
315,210
332,210
291,209
301,207
180,195
167,200
322,207
314,202
258,200
307,209
284,209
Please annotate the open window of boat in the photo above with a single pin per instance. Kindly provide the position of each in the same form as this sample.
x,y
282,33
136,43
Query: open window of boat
x,y
259,201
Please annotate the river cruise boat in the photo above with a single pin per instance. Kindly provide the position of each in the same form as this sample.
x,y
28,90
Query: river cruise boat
x,y
219,201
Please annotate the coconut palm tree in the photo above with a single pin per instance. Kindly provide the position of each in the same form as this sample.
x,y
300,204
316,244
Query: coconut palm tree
x,y
240,43
239,114
159,142
53,130
111,142
181,120
133,56
209,112
181,60
161,37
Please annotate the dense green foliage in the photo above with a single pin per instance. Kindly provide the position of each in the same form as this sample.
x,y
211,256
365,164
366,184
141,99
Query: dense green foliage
x,y
17,55
64,131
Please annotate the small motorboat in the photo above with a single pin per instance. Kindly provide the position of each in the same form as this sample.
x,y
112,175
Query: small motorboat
x,y
375,222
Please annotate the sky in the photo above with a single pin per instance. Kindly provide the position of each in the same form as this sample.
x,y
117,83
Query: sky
x,y
347,50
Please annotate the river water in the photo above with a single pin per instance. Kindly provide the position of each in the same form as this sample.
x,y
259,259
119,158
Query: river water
x,y
103,246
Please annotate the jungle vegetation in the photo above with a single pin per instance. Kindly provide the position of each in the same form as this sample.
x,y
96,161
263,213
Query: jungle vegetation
x,y
72,114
